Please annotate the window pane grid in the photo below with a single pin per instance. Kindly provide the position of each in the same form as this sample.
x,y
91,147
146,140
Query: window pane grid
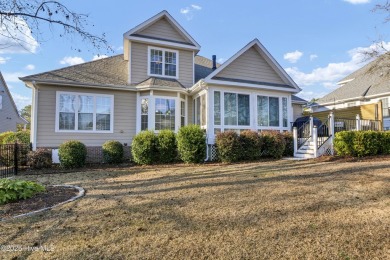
x,y
163,63
284,105
236,109
165,114
182,113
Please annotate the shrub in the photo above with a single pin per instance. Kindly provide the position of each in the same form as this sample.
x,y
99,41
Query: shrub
x,y
39,159
166,146
251,144
13,190
112,151
289,140
5,135
385,144
143,147
229,146
343,143
366,143
191,144
72,154
22,137
273,144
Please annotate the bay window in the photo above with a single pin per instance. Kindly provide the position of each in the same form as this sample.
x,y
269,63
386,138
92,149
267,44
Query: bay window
x,y
144,113
165,114
163,62
84,112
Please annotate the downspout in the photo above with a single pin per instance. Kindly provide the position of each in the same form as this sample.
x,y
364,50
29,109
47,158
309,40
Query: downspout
x,y
207,151
33,134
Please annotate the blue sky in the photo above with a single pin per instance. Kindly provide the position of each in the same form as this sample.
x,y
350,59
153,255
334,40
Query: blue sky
x,y
317,42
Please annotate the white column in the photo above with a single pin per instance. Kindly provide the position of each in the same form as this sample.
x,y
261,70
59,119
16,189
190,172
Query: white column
x,y
315,141
358,125
138,114
311,127
331,130
151,112
295,139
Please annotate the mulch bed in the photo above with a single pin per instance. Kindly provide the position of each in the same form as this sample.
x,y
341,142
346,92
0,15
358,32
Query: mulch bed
x,y
49,198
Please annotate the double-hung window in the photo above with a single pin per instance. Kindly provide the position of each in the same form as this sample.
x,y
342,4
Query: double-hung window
x,y
267,111
84,112
163,62
165,114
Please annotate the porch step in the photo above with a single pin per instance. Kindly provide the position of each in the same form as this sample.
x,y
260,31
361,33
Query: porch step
x,y
304,155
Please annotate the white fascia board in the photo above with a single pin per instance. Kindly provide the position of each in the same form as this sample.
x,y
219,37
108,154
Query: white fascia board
x,y
162,42
158,16
249,85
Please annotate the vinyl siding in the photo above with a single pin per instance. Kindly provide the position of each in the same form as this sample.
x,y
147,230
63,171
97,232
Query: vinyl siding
x,y
164,30
9,118
297,111
251,66
139,64
190,110
124,118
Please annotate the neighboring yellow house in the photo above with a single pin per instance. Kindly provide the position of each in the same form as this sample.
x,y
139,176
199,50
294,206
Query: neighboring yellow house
x,y
160,82
365,92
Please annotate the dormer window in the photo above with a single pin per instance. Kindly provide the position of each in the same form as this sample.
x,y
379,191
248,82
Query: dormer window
x,y
163,62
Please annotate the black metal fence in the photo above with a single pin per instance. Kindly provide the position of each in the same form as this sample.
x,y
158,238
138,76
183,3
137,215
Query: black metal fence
x,y
12,157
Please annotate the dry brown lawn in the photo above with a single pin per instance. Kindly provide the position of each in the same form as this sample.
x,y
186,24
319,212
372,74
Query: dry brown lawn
x,y
264,210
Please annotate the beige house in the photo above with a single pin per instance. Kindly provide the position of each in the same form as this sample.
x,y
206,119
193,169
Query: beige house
x,y
9,115
160,82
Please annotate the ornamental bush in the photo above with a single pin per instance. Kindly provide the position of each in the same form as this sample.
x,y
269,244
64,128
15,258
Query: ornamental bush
x,y
72,154
344,143
366,143
228,146
273,144
191,144
385,143
166,146
5,135
112,151
13,190
143,148
39,159
251,144
289,140
22,137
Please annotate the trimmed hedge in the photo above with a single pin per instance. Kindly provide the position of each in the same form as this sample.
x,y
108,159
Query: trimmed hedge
x,y
273,144
112,151
362,143
251,144
229,146
72,154
191,144
143,148
289,140
166,146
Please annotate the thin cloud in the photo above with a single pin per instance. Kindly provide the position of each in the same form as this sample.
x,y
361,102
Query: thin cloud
x,y
4,60
313,57
356,2
293,57
20,100
72,60
189,11
30,67
13,76
16,39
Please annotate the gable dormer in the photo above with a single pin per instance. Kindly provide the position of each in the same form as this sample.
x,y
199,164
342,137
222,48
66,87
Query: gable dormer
x,y
160,47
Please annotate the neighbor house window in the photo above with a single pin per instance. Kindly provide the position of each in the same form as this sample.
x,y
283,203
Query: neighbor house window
x,y
163,62
268,111
165,114
385,107
84,112
236,109
144,113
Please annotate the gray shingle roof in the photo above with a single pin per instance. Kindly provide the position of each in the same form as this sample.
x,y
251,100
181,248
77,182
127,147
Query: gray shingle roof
x,y
372,79
155,81
112,71
298,99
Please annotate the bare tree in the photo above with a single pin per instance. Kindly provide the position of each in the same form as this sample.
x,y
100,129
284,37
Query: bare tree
x,y
23,20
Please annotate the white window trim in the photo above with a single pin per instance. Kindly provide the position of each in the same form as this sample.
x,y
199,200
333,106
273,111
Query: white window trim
x,y
163,63
151,111
57,130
